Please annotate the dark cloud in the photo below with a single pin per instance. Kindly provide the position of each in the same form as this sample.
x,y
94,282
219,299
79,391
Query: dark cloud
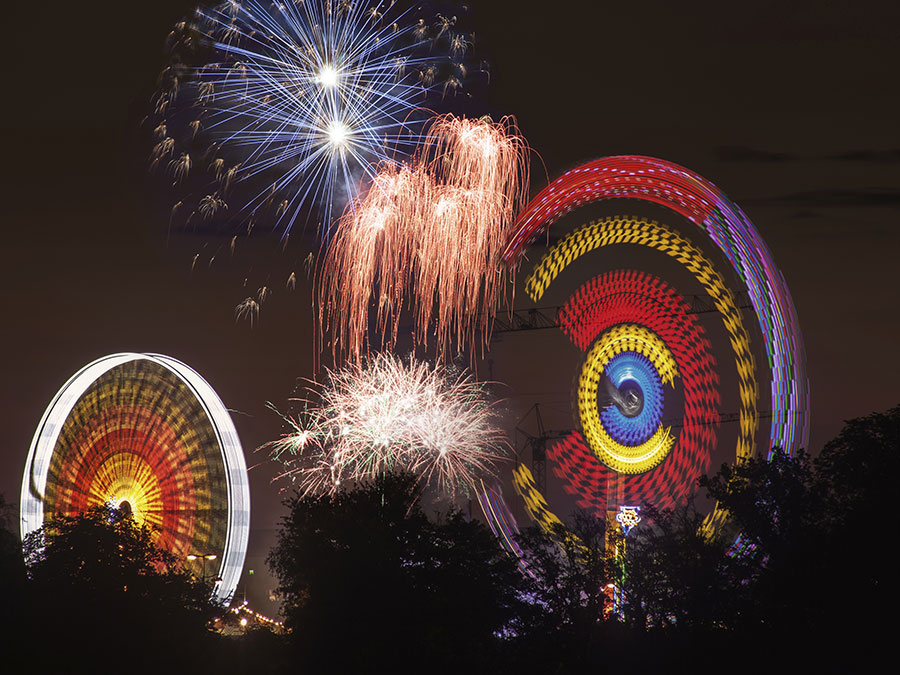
x,y
738,153
889,156
805,213
833,198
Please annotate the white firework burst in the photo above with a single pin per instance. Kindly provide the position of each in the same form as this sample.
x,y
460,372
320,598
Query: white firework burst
x,y
390,414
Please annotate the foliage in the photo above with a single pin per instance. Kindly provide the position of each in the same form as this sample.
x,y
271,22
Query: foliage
x,y
858,469
369,582
813,538
103,589
858,472
802,560
679,575
569,573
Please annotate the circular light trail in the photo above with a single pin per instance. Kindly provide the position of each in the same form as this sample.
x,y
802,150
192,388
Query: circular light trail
x,y
148,431
640,339
630,341
692,196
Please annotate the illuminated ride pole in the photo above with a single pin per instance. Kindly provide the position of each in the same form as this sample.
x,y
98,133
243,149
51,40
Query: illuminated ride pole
x,y
619,522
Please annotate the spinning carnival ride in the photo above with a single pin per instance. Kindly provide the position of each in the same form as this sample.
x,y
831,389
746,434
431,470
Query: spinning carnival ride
x,y
147,434
640,341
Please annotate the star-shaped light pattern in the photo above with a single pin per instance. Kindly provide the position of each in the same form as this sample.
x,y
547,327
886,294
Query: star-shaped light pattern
x,y
300,101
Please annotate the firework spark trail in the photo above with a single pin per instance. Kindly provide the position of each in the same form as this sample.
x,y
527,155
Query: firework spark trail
x,y
304,99
431,232
247,309
389,415
481,169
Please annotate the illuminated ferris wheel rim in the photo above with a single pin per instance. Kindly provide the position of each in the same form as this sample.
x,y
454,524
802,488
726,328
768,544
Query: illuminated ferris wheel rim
x,y
692,196
34,481
698,200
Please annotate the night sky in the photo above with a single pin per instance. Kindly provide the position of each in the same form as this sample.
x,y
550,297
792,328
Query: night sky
x,y
790,109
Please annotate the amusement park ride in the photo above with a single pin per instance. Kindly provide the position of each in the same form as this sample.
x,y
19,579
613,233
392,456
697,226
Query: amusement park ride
x,y
145,432
647,398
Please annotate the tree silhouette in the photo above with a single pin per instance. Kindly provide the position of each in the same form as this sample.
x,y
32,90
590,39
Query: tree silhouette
x,y
677,574
858,473
802,575
569,573
813,540
102,590
370,583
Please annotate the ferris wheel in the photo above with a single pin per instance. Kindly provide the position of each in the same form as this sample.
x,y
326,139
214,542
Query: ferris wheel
x,y
147,434
643,350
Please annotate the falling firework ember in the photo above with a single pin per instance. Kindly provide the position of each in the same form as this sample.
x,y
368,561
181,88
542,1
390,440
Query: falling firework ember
x,y
389,415
431,232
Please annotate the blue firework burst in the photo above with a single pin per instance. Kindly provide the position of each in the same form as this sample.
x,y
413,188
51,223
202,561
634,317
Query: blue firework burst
x,y
299,102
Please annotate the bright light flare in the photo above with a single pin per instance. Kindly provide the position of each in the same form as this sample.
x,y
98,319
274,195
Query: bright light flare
x,y
392,414
328,77
430,231
338,133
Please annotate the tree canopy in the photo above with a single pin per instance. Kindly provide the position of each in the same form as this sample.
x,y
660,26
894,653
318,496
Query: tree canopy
x,y
813,536
370,582
100,590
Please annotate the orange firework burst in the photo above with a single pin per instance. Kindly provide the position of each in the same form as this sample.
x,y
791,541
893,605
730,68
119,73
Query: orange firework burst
x,y
431,232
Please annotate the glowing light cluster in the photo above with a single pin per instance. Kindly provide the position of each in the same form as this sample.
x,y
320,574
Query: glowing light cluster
x,y
430,232
243,611
581,322
149,431
302,99
588,464
701,202
633,381
628,517
391,414
623,339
